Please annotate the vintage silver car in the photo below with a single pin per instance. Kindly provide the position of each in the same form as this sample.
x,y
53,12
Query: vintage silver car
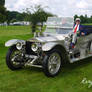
x,y
49,50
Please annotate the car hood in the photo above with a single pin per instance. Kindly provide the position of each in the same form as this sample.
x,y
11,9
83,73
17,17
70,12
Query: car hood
x,y
49,38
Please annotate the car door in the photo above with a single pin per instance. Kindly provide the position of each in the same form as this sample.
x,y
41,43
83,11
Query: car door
x,y
82,41
83,44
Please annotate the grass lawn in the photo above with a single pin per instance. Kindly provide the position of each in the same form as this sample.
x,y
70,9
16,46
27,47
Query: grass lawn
x,y
87,24
33,79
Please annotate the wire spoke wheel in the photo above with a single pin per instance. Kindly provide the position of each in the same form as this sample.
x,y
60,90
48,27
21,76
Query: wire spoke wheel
x,y
54,63
14,58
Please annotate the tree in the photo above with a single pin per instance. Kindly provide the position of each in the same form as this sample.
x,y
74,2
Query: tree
x,y
91,19
2,2
37,14
84,19
19,17
43,17
25,16
2,14
12,15
76,16
2,11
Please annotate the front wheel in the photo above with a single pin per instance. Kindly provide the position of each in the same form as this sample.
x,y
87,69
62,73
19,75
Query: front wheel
x,y
52,63
14,59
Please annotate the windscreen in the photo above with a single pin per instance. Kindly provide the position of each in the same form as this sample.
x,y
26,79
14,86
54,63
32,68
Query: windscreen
x,y
60,22
58,30
62,25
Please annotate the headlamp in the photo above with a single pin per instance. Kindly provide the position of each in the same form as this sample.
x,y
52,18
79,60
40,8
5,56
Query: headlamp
x,y
34,47
19,45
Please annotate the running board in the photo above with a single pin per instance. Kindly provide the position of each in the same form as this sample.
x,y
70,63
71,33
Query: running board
x,y
78,59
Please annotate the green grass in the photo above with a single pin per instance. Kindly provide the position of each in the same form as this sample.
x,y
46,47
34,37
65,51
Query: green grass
x,y
87,24
33,79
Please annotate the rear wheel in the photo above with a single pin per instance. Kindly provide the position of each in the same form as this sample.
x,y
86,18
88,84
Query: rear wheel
x,y
14,59
52,63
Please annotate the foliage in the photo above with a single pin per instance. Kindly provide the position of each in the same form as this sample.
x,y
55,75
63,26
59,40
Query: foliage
x,y
14,15
76,16
2,14
2,11
84,19
2,18
37,14
2,2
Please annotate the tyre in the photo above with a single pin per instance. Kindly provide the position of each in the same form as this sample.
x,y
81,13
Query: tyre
x,y
52,63
13,60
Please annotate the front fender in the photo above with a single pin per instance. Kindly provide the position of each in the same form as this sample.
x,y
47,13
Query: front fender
x,y
49,46
13,42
